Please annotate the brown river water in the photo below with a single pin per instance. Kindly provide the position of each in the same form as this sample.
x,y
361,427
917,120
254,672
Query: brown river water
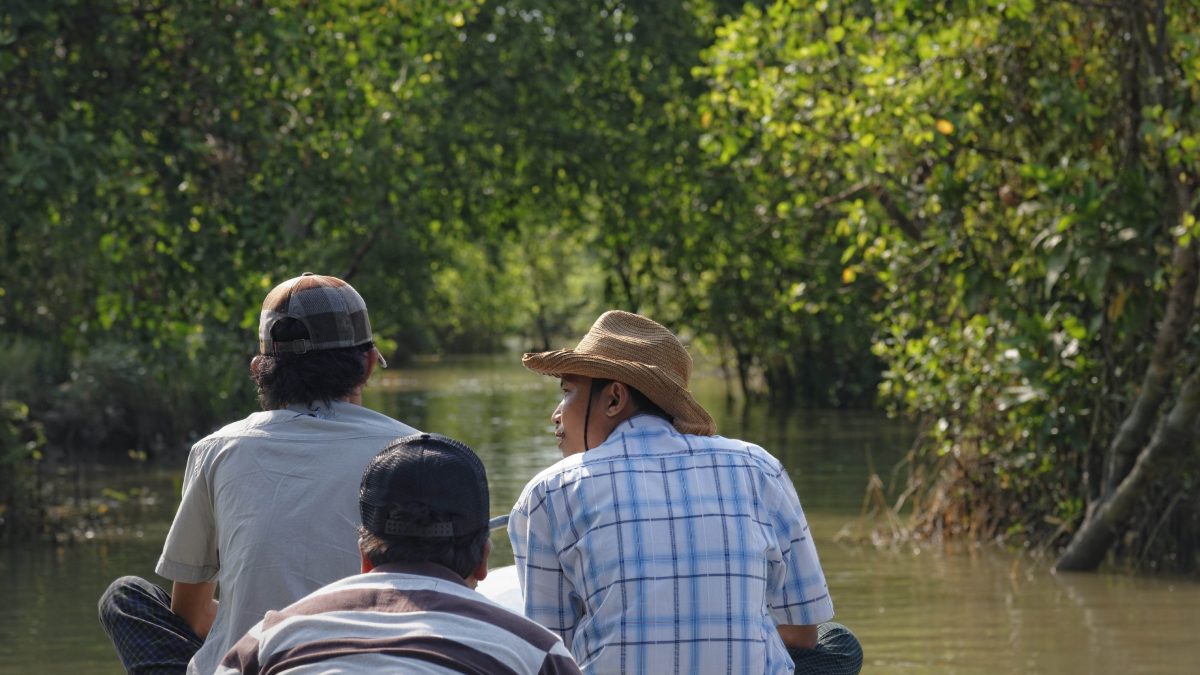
x,y
960,609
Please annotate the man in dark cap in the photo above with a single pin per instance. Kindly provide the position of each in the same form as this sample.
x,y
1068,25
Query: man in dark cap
x,y
424,543
268,510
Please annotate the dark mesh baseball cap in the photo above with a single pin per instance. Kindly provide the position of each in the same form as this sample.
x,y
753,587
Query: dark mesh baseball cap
x,y
429,470
332,311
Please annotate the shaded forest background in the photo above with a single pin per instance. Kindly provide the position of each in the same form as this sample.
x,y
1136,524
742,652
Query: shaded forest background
x,y
981,214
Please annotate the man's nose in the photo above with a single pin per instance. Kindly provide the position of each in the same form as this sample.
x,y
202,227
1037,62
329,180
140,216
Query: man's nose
x,y
557,414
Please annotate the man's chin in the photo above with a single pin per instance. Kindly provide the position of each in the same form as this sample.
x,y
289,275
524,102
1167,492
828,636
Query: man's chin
x,y
566,449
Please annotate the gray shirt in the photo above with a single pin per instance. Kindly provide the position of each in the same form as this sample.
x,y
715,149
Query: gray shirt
x,y
270,511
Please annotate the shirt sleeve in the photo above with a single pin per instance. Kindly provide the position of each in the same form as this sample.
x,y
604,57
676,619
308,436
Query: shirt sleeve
x,y
190,552
797,592
550,598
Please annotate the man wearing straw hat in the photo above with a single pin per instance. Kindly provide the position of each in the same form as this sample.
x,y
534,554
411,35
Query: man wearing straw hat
x,y
656,546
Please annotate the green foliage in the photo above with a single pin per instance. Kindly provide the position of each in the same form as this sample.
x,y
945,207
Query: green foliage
x,y
22,438
974,202
1009,180
161,158
190,157
21,443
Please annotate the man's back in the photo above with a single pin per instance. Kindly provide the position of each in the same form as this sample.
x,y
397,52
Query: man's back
x,y
275,494
411,618
660,552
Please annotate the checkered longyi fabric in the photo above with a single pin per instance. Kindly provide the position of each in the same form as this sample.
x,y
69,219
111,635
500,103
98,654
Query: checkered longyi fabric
x,y
838,652
660,552
149,638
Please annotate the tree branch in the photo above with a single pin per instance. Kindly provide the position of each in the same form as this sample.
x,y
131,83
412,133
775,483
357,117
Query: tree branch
x,y
1091,543
901,218
1171,332
362,252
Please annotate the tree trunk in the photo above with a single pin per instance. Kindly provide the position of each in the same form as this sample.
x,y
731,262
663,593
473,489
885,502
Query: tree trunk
x,y
1090,544
1135,429
623,268
1130,465
1129,462
356,260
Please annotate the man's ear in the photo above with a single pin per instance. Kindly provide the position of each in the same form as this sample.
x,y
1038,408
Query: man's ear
x,y
619,400
372,360
481,570
255,364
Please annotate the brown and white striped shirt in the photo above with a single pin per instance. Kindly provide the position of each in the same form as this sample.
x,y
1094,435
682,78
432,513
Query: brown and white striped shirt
x,y
397,618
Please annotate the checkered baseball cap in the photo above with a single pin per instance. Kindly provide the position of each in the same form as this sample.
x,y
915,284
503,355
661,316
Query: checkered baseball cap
x,y
332,311
429,470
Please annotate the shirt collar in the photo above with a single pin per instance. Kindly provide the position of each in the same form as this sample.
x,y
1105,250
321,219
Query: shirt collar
x,y
424,569
641,421
318,409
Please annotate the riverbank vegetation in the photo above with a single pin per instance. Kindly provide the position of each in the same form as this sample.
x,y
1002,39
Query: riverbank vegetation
x,y
979,214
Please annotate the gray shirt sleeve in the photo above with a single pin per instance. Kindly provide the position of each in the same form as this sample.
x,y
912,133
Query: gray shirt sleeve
x,y
190,552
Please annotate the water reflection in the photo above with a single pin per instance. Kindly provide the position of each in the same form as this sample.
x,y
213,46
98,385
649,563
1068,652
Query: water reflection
x,y
977,611
916,611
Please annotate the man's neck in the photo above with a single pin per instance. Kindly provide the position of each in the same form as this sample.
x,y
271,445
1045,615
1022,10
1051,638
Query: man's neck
x,y
317,405
425,569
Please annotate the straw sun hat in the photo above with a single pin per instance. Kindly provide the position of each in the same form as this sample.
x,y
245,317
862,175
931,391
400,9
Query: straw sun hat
x,y
632,349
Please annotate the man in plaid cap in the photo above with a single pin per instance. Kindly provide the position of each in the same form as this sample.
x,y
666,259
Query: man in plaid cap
x,y
268,512
425,545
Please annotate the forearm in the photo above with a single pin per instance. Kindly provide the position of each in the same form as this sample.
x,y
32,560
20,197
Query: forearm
x,y
798,637
195,604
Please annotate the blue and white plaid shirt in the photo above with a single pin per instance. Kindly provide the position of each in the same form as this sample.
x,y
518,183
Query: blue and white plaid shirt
x,y
659,552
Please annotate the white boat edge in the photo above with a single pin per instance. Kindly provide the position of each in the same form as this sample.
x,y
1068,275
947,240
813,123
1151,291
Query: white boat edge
x,y
502,587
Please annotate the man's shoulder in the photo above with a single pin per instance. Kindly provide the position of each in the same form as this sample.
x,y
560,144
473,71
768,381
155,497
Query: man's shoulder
x,y
616,450
377,591
753,451
563,471
346,418
390,605
372,419
657,442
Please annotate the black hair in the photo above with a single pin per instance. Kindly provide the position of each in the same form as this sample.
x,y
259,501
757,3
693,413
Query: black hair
x,y
325,375
640,400
461,554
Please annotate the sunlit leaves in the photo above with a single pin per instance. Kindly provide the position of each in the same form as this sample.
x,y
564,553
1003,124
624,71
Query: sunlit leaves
x,y
1011,174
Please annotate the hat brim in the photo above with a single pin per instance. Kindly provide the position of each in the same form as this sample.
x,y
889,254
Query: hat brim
x,y
689,417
